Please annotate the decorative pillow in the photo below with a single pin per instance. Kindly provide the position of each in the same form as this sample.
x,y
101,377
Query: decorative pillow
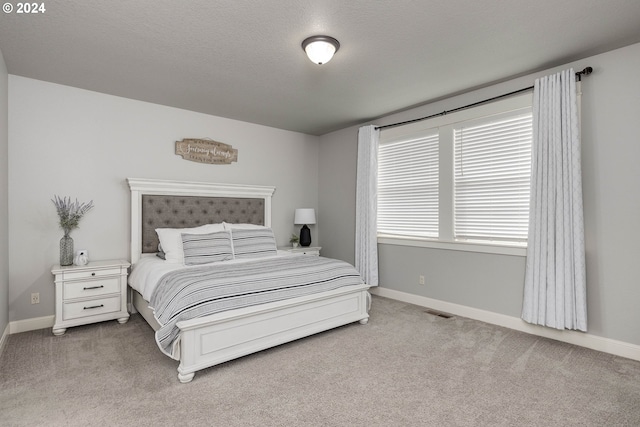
x,y
171,239
253,242
206,248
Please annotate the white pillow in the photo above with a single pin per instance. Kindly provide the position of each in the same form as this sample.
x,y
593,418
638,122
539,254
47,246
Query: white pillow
x,y
230,226
171,240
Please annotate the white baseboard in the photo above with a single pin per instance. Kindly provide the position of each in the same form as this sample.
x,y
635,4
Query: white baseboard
x,y
594,342
25,325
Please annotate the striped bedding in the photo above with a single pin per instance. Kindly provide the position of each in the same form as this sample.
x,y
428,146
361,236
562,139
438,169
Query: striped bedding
x,y
203,290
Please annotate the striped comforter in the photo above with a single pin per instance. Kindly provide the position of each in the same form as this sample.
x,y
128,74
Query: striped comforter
x,y
200,291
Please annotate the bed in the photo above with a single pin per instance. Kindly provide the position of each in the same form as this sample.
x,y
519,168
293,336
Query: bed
x,y
220,335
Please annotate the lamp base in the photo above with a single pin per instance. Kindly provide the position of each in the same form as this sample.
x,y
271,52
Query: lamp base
x,y
305,236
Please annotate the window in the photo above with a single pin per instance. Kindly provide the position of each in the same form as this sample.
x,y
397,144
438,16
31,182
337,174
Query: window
x,y
492,176
458,179
408,187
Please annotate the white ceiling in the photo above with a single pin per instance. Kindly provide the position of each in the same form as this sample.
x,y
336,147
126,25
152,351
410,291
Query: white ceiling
x,y
242,59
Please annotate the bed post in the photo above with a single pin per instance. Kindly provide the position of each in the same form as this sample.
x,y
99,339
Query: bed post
x,y
136,232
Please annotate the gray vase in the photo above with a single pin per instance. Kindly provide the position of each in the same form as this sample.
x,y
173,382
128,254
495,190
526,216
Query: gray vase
x,y
66,250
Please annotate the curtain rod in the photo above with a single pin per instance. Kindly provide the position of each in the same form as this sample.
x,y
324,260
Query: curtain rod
x,y
579,74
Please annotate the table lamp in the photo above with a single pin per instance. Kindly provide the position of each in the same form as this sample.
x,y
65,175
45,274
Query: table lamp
x,y
305,216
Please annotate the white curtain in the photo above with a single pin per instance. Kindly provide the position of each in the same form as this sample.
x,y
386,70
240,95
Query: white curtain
x,y
367,205
555,282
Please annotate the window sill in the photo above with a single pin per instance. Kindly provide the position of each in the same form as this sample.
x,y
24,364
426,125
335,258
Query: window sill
x,y
488,248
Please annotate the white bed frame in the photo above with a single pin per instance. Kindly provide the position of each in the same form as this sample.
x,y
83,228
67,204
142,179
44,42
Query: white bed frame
x,y
210,340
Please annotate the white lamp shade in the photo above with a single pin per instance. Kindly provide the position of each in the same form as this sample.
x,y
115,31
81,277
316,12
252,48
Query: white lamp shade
x,y
320,52
305,216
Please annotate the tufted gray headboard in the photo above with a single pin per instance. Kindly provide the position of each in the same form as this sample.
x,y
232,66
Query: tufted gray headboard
x,y
181,204
191,211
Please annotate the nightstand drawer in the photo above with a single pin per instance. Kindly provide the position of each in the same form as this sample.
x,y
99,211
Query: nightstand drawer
x,y
92,307
313,252
88,273
91,288
303,250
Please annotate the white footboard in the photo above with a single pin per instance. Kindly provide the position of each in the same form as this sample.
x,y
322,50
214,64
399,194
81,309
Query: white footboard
x,y
225,336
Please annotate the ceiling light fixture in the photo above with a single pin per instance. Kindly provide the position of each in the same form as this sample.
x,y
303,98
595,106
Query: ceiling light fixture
x,y
320,49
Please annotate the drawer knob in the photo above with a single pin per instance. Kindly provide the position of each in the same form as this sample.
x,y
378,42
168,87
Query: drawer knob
x,y
93,274
93,287
94,306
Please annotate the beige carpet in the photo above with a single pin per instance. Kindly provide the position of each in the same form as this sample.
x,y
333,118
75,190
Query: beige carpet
x,y
405,368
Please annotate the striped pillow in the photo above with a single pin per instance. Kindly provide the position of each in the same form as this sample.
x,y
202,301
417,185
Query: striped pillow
x,y
206,248
253,243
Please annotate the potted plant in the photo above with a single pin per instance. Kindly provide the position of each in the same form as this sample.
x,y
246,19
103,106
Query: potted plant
x,y
69,214
294,240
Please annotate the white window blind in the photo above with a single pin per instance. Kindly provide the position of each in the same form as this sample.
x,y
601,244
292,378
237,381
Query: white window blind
x,y
492,175
408,187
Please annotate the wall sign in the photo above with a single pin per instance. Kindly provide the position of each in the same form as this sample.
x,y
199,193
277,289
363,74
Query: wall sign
x,y
206,151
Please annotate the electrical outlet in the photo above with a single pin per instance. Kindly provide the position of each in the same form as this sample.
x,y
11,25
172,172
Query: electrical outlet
x,y
35,298
421,279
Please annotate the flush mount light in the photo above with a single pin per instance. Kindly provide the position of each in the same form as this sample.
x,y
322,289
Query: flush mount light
x,y
320,49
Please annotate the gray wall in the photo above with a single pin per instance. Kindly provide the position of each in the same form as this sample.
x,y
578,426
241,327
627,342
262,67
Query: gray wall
x,y
337,192
611,178
83,144
4,197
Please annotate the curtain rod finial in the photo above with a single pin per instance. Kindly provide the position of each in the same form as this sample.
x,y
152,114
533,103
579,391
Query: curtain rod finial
x,y
586,71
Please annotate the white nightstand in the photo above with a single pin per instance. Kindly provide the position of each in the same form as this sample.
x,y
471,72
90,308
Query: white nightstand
x,y
90,293
309,250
